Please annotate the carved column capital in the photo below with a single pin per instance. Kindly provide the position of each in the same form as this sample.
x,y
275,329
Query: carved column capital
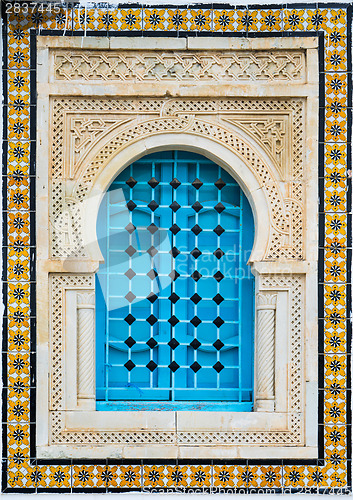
x,y
85,300
266,301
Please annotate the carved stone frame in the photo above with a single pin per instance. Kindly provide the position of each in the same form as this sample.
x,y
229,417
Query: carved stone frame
x,y
283,258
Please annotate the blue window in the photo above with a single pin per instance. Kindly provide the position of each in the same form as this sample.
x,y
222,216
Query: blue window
x,y
175,297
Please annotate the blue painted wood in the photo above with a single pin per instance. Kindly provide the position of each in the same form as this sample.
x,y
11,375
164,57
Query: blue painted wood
x,y
126,319
172,406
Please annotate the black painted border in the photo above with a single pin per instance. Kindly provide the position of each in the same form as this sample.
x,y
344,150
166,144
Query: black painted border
x,y
33,33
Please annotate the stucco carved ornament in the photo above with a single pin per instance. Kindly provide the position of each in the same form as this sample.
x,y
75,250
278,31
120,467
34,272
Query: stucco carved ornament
x,y
261,142
241,127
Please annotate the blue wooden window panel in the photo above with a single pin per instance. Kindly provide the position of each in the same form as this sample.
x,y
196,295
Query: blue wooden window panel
x,y
175,297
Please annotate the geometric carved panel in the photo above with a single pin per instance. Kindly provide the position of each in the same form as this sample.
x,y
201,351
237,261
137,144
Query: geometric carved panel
x,y
179,66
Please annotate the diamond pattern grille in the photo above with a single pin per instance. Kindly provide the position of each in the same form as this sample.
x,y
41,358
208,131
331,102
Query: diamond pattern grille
x,y
175,299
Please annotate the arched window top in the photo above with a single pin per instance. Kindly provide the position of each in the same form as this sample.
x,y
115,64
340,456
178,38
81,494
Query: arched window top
x,y
175,297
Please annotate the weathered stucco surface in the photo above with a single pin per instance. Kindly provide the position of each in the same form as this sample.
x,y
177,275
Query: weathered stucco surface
x,y
249,105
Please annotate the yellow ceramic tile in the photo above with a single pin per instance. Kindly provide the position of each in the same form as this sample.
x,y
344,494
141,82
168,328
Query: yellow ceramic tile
x,y
336,60
59,476
336,130
154,476
271,20
131,20
200,19
335,37
336,85
84,19
223,20
224,476
336,154
246,20
316,19
177,19
270,476
153,19
294,19
294,476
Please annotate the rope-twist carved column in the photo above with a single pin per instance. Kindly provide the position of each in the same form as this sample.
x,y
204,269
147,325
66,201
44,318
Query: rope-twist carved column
x,y
85,349
265,352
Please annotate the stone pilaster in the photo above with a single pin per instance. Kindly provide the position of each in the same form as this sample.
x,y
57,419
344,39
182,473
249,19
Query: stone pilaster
x,y
265,352
85,350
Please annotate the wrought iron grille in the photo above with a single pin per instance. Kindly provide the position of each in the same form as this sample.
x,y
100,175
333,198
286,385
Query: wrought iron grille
x,y
175,298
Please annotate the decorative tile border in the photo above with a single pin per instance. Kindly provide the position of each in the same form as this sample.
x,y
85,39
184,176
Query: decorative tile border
x,y
22,472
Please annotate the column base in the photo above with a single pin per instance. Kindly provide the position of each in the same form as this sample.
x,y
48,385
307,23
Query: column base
x,y
86,403
264,405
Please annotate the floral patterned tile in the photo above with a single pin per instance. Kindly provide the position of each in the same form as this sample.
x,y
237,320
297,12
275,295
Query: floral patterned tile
x,y
18,199
266,477
17,477
294,20
154,19
335,413
131,20
59,19
336,128
295,476
108,21
224,20
336,108
224,476
336,19
52,476
270,20
89,476
335,342
336,60
336,224
246,20
194,476
124,476
83,19
335,270
201,19
335,199
335,177
317,19
335,366
336,85
336,154
335,435
335,37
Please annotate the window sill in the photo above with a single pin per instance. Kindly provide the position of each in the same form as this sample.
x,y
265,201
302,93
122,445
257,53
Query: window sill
x,y
173,406
175,421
